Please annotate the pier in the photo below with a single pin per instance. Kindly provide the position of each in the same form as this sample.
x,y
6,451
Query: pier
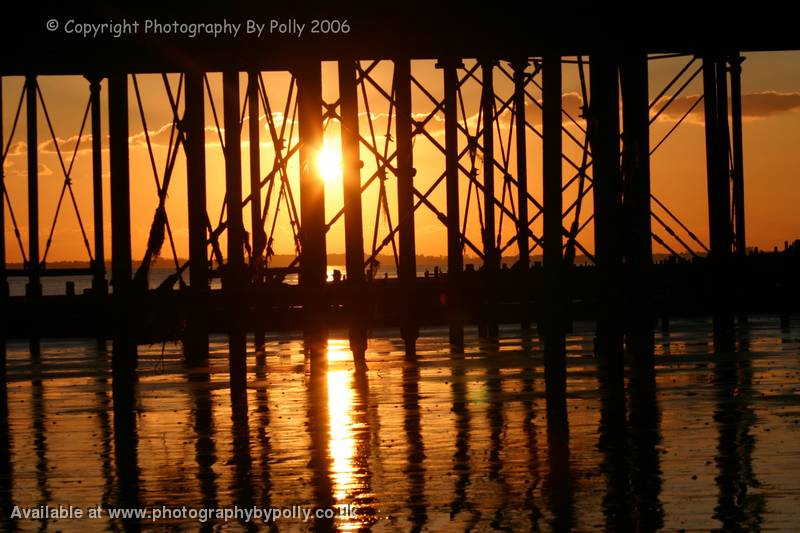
x,y
541,277
440,268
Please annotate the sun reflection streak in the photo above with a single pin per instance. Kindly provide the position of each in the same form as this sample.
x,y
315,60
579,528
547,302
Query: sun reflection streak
x,y
342,446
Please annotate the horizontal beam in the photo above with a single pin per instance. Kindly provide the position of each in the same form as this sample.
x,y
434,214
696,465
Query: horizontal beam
x,y
62,40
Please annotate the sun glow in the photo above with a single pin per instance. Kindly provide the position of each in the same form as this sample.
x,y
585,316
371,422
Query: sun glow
x,y
329,164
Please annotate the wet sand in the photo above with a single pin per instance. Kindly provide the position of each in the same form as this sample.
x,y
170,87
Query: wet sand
x,y
452,443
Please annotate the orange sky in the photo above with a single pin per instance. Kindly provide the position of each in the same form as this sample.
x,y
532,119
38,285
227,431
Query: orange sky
x,y
771,84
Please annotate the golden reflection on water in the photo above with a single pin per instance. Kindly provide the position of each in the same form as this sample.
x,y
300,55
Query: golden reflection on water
x,y
342,444
448,443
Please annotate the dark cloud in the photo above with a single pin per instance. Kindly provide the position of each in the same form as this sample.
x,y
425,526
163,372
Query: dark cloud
x,y
759,105
754,105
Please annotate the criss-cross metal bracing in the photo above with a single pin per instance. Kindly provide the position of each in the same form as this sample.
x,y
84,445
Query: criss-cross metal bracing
x,y
377,138
457,142
279,205
87,130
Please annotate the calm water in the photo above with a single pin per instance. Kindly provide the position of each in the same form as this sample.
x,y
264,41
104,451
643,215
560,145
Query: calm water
x,y
451,444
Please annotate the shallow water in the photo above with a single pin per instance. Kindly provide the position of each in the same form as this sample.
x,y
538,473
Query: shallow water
x,y
453,443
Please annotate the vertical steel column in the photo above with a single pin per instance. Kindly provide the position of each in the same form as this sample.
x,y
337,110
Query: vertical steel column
x,y
34,288
492,259
716,162
738,157
551,171
454,256
555,360
720,232
607,189
313,261
737,174
194,126
554,323
353,229
523,232
636,206
258,236
121,268
405,202
3,275
724,146
723,128
124,351
234,278
99,284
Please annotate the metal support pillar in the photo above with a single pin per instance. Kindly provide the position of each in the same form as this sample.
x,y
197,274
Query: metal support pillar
x,y
194,125
492,259
737,155
607,189
99,284
3,274
737,174
523,265
405,202
313,261
636,206
554,322
454,249
34,288
257,234
123,359
235,271
351,182
719,197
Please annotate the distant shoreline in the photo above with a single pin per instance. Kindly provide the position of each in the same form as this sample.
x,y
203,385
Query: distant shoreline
x,y
283,260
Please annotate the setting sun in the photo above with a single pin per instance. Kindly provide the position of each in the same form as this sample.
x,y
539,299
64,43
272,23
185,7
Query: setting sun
x,y
329,162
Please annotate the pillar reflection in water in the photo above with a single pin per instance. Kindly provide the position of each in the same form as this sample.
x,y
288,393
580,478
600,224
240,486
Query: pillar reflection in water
x,y
319,431
415,455
242,488
104,408
126,443
613,438
496,416
529,427
738,507
39,428
263,436
461,454
7,523
558,483
645,436
204,431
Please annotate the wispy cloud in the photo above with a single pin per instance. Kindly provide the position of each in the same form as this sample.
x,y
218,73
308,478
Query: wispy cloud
x,y
754,106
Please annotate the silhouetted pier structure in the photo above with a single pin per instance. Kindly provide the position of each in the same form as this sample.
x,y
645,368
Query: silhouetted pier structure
x,y
621,286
